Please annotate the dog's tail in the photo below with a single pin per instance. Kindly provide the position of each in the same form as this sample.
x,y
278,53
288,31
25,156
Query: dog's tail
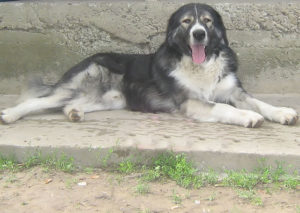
x,y
35,88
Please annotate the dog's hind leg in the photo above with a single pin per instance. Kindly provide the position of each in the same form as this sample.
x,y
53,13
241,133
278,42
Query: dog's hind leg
x,y
54,100
111,100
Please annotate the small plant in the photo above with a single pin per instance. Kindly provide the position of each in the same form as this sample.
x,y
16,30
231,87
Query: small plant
x,y
297,209
179,169
107,157
11,179
251,196
187,195
278,172
268,191
152,174
89,170
142,189
144,211
212,197
33,160
211,177
70,182
291,183
257,201
176,198
126,167
8,164
61,162
268,174
241,179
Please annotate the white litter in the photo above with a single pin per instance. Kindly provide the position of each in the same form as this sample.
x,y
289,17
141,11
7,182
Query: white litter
x,y
81,184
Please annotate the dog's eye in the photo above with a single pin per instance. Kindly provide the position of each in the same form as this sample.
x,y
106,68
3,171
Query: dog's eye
x,y
206,20
186,21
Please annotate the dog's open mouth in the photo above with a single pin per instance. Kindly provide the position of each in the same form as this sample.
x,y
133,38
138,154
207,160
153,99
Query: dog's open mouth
x,y
198,53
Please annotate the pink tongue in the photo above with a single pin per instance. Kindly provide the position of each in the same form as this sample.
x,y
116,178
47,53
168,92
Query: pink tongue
x,y
198,54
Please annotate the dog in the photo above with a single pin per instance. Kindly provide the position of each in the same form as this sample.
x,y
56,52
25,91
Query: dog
x,y
193,72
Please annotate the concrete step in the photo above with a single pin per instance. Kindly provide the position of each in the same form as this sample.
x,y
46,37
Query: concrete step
x,y
48,37
117,135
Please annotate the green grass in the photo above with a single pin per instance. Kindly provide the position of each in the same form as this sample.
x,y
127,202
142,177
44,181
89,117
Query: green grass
x,y
144,211
8,164
59,162
251,196
142,189
126,167
107,157
297,209
178,168
241,179
69,183
175,167
168,166
176,198
210,178
212,197
89,170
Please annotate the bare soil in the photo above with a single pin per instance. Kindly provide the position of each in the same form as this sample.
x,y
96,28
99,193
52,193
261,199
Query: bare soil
x,y
38,191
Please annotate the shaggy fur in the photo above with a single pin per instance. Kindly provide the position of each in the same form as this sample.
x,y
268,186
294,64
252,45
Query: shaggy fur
x,y
193,72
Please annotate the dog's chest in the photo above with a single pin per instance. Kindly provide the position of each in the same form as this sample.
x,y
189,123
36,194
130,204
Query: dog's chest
x,y
199,80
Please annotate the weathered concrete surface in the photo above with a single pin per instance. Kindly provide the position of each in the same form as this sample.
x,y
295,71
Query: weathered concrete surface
x,y
140,136
48,37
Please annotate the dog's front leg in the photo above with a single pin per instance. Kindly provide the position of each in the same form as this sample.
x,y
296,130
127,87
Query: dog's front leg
x,y
218,112
283,115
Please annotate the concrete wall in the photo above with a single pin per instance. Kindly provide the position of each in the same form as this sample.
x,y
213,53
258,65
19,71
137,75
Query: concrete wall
x,y
48,37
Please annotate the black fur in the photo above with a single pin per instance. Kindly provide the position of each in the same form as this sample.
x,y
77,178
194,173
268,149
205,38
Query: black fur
x,y
146,84
194,71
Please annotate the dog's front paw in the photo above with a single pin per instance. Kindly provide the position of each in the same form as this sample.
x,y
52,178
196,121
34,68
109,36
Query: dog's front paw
x,y
285,116
7,117
252,119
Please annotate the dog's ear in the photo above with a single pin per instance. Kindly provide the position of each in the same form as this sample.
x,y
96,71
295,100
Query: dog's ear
x,y
221,30
171,36
222,36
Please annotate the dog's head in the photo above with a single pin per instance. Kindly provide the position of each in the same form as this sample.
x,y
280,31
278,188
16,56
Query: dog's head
x,y
196,30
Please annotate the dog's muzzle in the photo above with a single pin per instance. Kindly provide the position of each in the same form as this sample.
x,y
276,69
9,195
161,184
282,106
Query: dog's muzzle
x,y
199,35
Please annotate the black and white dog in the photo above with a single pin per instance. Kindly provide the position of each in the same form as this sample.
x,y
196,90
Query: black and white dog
x,y
193,72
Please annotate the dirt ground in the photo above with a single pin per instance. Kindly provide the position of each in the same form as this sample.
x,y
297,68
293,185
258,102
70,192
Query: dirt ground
x,y
38,191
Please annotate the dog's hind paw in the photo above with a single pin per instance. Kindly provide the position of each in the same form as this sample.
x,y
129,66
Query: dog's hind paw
x,y
7,118
75,115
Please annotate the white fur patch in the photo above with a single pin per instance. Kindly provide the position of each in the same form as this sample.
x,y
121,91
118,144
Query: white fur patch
x,y
227,114
114,99
110,100
77,80
200,80
224,88
197,26
281,115
33,105
224,113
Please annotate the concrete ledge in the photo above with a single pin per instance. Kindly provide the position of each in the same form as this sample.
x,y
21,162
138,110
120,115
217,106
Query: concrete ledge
x,y
48,37
141,136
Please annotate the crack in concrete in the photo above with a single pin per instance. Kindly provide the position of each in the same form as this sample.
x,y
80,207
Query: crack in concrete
x,y
27,30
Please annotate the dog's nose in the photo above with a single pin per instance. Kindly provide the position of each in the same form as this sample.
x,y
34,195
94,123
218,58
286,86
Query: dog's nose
x,y
199,35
